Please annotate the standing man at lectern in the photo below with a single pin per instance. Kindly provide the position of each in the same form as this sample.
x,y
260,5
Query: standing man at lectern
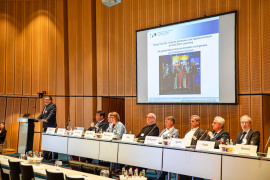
x,y
48,114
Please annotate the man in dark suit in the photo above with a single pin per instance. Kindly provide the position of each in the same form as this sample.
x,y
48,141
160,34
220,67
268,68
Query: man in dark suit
x,y
218,133
100,124
195,133
248,136
151,129
48,114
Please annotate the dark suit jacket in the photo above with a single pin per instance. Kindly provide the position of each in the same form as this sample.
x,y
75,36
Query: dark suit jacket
x,y
222,134
102,126
251,136
152,130
3,136
197,134
50,115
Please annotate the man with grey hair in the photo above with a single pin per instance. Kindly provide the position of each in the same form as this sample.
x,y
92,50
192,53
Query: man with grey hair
x,y
170,130
195,133
248,136
218,133
151,129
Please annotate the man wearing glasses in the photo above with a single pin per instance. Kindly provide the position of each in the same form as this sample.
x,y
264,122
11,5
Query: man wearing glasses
x,y
248,136
151,129
218,133
48,114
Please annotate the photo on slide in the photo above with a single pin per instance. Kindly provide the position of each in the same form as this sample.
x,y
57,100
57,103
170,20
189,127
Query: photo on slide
x,y
180,73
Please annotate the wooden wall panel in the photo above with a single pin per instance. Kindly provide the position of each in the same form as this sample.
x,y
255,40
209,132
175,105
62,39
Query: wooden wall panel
x,y
135,26
176,112
102,24
202,8
234,121
72,111
265,28
256,116
3,33
44,47
176,11
195,110
52,47
160,114
79,50
167,12
244,105
185,126
222,6
120,54
89,111
128,48
8,121
15,123
194,9
112,51
211,7
151,13
10,47
27,64
89,48
120,109
213,112
143,117
79,112
18,69
266,120
224,112
3,109
185,13
244,68
135,117
255,47
205,118
72,34
129,115
36,42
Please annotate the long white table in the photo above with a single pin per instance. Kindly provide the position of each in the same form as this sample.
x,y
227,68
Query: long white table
x,y
206,164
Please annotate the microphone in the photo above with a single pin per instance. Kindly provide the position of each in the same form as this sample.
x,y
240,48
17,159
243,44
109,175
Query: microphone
x,y
266,144
152,129
207,130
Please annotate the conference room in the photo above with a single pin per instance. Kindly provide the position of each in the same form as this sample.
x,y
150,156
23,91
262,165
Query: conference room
x,y
162,89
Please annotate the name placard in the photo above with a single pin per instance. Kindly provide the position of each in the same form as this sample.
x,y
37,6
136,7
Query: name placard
x,y
50,130
176,142
268,152
128,137
205,145
246,149
77,133
61,131
89,134
107,136
151,140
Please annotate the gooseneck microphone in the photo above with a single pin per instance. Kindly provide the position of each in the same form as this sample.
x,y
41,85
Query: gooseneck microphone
x,y
207,130
266,144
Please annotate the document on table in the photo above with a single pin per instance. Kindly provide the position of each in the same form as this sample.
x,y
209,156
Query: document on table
x,y
79,176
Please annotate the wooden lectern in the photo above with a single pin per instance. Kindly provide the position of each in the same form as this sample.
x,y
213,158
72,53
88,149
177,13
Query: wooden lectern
x,y
26,134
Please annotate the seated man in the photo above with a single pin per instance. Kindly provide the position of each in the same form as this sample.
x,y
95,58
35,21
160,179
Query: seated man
x,y
170,130
151,129
195,133
3,133
218,132
248,136
117,127
100,124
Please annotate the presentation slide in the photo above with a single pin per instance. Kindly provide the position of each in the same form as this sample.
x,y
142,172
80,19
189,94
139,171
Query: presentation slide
x,y
183,63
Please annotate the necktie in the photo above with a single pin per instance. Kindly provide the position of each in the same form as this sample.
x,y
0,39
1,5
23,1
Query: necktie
x,y
215,134
243,135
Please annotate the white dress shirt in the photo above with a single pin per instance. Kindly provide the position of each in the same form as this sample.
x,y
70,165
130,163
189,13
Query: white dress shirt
x,y
188,137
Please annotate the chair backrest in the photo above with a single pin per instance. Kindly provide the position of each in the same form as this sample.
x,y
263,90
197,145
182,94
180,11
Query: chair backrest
x,y
99,168
4,176
54,175
89,168
15,170
75,165
27,172
71,178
